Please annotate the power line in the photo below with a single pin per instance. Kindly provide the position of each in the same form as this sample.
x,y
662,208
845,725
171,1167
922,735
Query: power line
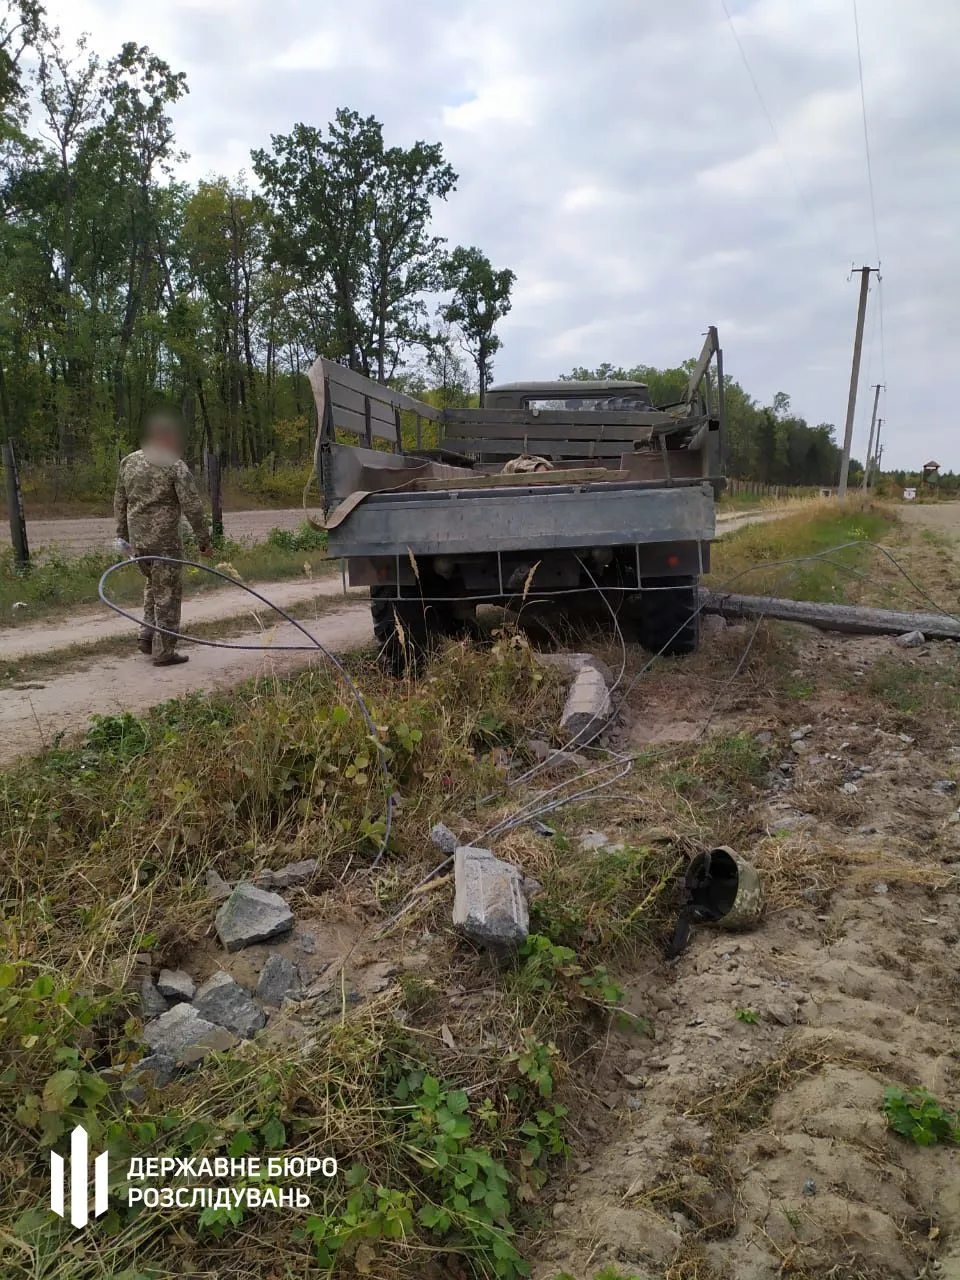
x,y
773,129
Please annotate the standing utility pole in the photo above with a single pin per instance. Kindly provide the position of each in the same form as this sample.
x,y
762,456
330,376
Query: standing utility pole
x,y
873,423
874,464
854,379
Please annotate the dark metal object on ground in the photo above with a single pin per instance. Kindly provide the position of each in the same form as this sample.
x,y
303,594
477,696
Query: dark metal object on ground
x,y
719,888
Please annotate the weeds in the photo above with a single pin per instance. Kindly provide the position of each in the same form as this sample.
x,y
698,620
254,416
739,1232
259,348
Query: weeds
x,y
916,1115
749,1016
811,531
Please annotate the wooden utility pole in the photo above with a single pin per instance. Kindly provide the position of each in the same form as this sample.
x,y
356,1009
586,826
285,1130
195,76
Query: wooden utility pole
x,y
873,423
18,520
854,379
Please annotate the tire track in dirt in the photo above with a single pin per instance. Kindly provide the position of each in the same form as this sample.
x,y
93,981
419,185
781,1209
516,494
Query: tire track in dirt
x,y
756,1148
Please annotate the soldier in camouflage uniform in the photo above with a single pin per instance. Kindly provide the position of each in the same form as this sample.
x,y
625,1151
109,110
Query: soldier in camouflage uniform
x,y
154,491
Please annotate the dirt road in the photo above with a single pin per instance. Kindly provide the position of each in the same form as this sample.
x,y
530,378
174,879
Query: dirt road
x,y
31,716
97,533
96,624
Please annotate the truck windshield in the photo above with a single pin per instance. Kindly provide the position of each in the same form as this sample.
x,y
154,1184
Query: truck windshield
x,y
633,403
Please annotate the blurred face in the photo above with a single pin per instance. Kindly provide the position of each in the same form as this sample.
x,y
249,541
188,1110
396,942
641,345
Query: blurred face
x,y
164,433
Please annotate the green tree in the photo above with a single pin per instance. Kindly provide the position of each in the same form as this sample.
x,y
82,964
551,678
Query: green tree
x,y
481,298
350,226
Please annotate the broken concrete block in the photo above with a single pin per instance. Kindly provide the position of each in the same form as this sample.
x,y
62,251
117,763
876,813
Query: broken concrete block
x,y
489,904
157,1069
217,887
911,640
176,983
182,1034
587,708
151,1001
574,663
294,873
252,915
278,978
222,1000
443,838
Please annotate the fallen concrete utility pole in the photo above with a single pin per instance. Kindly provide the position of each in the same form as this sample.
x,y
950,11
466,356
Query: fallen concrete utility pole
x,y
848,618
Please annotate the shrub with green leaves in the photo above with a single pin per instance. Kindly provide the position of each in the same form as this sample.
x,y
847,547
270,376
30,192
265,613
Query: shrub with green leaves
x,y
917,1115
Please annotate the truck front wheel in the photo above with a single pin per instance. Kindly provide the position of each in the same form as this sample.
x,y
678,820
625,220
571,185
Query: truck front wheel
x,y
667,616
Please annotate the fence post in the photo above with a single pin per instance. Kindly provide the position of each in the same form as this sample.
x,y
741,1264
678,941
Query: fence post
x,y
18,520
216,500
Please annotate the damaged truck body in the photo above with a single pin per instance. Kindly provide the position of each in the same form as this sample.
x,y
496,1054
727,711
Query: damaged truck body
x,y
556,497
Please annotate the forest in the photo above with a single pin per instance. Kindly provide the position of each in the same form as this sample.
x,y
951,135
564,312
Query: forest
x,y
124,288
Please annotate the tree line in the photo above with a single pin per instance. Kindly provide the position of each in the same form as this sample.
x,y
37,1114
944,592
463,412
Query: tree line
x,y
123,288
767,443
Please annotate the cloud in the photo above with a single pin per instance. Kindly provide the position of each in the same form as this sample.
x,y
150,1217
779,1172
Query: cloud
x,y
616,157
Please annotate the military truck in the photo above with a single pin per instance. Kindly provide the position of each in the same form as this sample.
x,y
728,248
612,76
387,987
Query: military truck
x,y
552,495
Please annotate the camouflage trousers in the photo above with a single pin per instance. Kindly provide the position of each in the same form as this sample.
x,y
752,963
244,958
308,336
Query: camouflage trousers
x,y
162,596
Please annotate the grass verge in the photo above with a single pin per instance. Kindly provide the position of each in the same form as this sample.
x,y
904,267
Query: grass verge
x,y
744,560
442,1155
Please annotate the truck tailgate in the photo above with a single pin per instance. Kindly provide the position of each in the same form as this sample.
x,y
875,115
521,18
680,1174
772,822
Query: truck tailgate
x,y
541,517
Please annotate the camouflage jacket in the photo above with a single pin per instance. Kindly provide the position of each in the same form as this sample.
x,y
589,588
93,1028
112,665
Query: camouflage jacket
x,y
154,490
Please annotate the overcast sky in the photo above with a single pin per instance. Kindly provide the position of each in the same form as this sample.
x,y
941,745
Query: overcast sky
x,y
614,153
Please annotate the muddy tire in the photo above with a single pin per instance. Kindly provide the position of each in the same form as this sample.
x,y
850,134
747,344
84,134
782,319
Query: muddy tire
x,y
667,618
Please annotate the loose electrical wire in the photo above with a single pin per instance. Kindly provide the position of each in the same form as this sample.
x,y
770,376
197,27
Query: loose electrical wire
x,y
314,644
536,807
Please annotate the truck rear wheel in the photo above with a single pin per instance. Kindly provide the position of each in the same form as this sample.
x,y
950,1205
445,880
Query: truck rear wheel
x,y
406,625
667,616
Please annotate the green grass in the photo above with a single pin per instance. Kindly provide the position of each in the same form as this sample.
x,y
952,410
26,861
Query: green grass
x,y
105,849
57,584
740,559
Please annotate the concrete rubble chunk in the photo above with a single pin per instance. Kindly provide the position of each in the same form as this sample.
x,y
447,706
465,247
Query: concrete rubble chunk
x,y
574,663
182,1034
588,707
217,887
590,841
252,915
911,640
489,904
278,978
151,1001
288,877
443,838
176,983
157,1069
222,1000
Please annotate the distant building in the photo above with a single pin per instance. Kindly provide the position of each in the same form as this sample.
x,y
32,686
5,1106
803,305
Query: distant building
x,y
930,470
